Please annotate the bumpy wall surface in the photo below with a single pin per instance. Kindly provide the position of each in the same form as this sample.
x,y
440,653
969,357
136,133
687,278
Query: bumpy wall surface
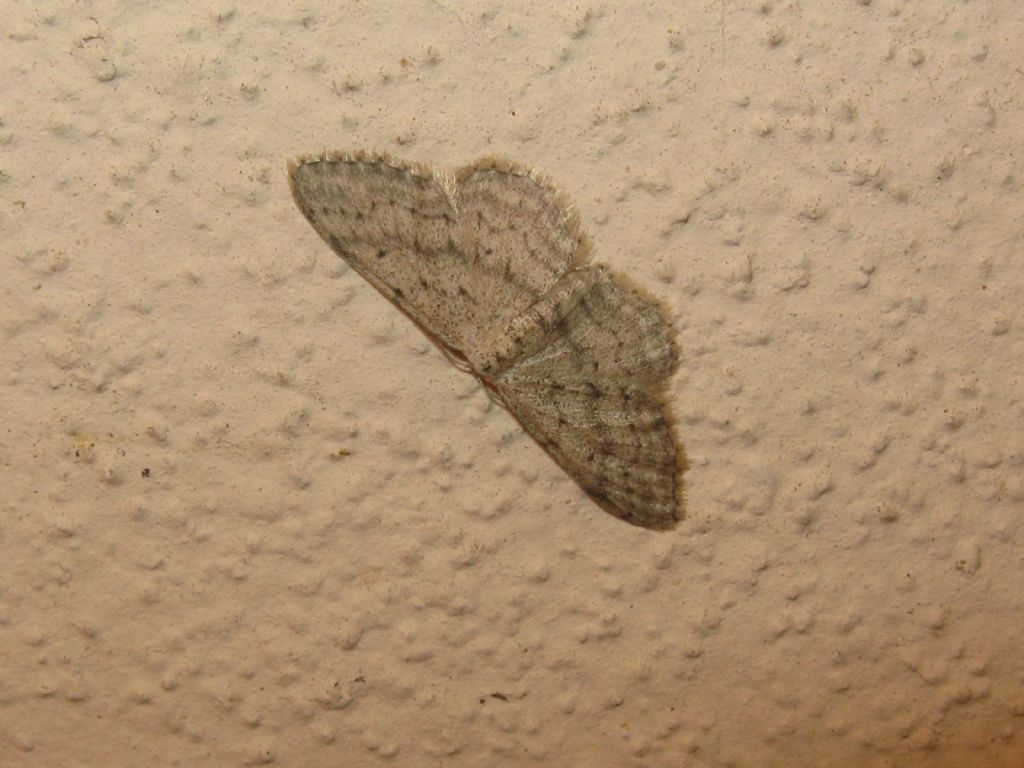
x,y
251,515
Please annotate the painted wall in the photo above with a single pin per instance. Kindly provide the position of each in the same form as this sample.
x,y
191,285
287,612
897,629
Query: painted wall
x,y
250,515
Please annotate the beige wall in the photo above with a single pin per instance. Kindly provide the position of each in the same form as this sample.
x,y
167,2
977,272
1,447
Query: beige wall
x,y
250,515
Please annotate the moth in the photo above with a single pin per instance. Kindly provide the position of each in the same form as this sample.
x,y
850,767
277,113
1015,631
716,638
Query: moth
x,y
492,263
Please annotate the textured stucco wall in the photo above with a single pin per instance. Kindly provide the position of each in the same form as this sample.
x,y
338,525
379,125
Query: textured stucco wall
x,y
251,515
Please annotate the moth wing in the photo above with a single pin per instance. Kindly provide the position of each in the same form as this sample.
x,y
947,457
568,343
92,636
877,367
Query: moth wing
x,y
617,445
521,232
460,255
614,331
394,223
595,398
